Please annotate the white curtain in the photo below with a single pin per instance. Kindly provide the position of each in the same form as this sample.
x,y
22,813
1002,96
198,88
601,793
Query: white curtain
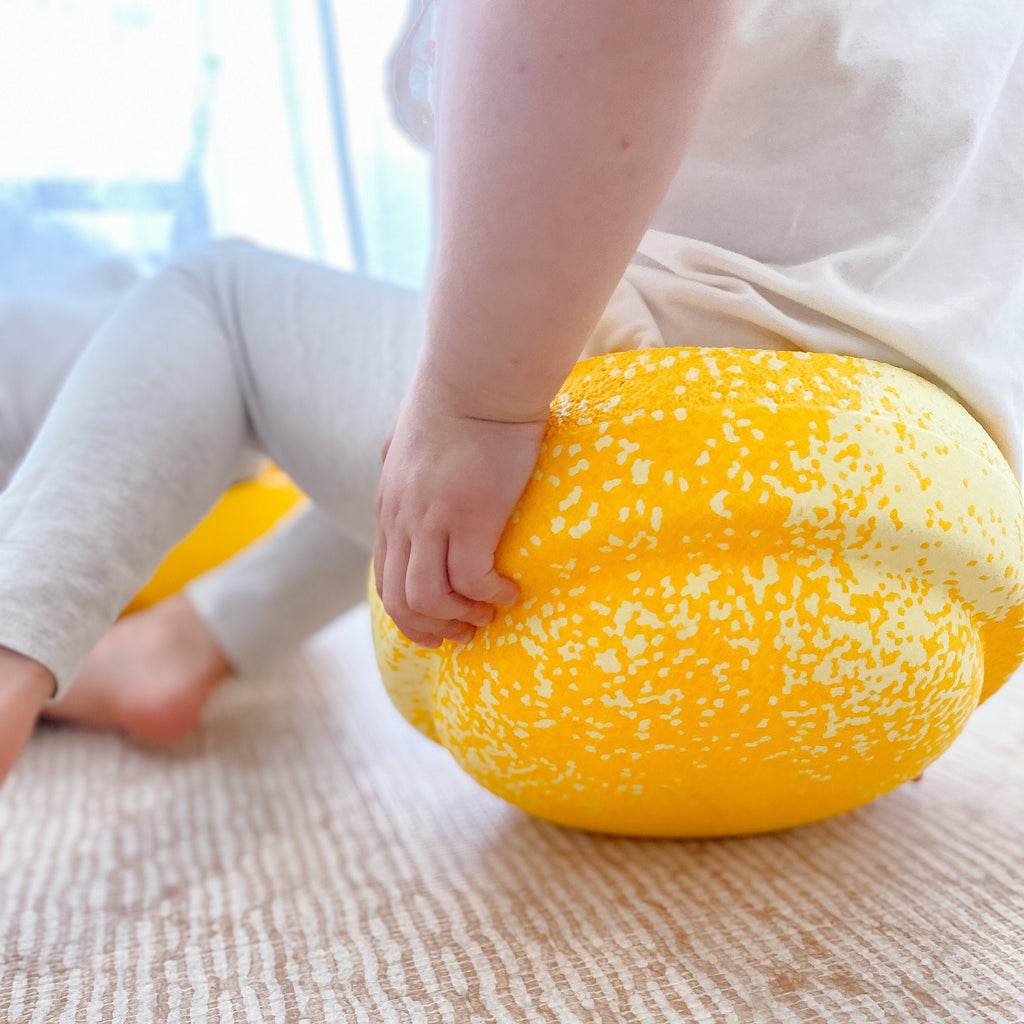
x,y
140,127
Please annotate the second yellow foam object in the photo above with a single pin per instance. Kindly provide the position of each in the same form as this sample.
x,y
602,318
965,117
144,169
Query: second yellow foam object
x,y
245,512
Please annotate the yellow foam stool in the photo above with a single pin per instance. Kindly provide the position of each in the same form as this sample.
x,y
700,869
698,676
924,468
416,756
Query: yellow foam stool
x,y
245,512
759,589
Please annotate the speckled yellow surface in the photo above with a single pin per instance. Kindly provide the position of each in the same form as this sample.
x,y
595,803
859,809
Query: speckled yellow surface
x,y
245,512
759,589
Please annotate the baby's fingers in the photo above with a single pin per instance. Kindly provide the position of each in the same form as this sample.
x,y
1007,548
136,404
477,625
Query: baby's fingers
x,y
472,574
429,591
413,586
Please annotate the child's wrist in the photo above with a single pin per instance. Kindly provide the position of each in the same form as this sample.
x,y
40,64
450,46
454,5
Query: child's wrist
x,y
461,393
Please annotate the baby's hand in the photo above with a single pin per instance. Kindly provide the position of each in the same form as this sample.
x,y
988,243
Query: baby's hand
x,y
449,484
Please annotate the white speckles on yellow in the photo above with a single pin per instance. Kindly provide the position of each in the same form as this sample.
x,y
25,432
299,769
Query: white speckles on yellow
x,y
640,471
486,696
571,650
636,646
626,448
697,583
570,499
531,647
769,576
616,700
535,624
629,611
803,655
717,504
544,689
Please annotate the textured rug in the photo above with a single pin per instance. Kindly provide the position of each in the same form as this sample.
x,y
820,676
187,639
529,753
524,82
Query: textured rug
x,y
308,857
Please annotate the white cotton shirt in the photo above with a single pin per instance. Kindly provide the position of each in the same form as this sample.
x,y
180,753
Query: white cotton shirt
x,y
855,186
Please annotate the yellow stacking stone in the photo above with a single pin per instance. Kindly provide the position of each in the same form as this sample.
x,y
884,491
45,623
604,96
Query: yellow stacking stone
x,y
245,512
759,589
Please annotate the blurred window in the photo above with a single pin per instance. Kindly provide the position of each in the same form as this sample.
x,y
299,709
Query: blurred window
x,y
142,127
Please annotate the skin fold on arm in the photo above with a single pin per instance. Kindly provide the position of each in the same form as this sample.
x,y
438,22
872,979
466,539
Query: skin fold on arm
x,y
560,127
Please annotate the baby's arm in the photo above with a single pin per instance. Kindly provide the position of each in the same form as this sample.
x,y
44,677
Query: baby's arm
x,y
560,128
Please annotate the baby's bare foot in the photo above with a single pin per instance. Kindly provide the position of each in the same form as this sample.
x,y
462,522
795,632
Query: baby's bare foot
x,y
150,676
24,687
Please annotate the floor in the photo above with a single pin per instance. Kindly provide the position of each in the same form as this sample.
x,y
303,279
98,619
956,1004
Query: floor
x,y
308,857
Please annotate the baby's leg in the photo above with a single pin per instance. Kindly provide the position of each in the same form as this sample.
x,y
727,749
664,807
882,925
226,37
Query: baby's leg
x,y
238,618
271,597
150,675
232,343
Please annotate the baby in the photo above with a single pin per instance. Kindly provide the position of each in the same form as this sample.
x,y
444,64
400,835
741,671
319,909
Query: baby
x,y
236,619
788,174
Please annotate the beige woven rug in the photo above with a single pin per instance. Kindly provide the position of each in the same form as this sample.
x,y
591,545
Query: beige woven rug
x,y
308,857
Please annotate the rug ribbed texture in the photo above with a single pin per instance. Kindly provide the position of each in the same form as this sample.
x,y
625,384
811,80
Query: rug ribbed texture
x,y
308,857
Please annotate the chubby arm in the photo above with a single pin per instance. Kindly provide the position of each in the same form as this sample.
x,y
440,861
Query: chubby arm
x,y
560,126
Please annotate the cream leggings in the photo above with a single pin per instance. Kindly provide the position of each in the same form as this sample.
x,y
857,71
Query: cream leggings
x,y
233,347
